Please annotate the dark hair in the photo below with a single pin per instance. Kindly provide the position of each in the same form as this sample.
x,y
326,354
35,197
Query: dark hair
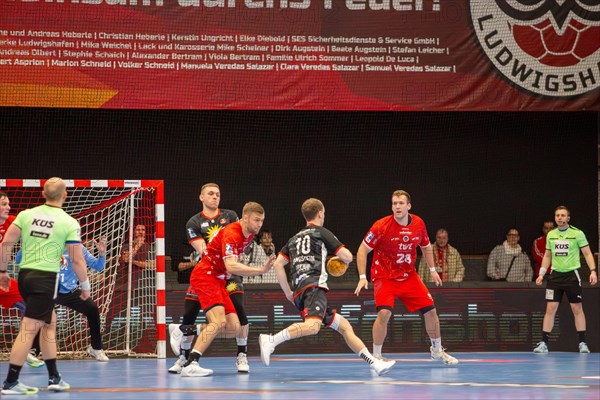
x,y
310,208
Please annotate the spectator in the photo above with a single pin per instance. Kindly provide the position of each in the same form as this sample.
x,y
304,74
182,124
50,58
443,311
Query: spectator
x,y
539,248
508,262
257,254
447,259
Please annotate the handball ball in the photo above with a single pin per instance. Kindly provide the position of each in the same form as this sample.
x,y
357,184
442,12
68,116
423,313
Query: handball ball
x,y
336,267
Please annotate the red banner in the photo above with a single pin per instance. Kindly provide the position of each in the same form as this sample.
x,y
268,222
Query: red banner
x,y
301,54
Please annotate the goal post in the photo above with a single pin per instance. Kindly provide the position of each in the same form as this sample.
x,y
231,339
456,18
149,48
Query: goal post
x,y
130,290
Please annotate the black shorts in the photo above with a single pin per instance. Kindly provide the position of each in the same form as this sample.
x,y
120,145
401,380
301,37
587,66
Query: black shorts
x,y
312,302
38,289
564,282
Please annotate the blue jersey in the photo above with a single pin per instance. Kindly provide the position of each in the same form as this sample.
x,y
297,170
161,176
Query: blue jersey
x,y
67,278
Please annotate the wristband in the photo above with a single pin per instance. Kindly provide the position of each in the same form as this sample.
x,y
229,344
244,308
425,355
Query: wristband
x,y
362,276
543,271
432,269
85,285
591,270
4,271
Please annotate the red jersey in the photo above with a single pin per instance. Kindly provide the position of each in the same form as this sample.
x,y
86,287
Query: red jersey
x,y
5,225
228,242
537,251
395,246
7,299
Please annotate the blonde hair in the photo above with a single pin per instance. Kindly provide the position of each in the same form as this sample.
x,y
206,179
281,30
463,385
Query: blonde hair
x,y
253,207
208,185
399,193
54,189
311,207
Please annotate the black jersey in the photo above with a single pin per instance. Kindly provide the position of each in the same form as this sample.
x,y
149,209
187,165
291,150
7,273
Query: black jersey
x,y
307,253
202,227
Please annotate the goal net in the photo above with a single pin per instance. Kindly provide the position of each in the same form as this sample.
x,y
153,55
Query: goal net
x,y
130,215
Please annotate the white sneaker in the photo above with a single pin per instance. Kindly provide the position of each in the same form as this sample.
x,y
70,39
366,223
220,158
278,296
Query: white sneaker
x,y
18,388
194,369
382,367
543,348
175,336
99,355
178,366
266,348
443,356
242,363
34,362
583,347
58,385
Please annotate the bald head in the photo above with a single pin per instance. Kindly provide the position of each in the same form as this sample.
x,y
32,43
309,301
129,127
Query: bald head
x,y
54,190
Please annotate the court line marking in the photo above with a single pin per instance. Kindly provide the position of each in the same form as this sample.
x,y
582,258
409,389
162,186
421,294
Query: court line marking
x,y
473,384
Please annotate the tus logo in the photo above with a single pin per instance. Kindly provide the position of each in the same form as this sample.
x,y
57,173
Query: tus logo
x,y
548,47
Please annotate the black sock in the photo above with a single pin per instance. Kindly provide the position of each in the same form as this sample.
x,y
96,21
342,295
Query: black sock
x,y
13,373
51,366
242,349
194,356
186,353
581,336
545,337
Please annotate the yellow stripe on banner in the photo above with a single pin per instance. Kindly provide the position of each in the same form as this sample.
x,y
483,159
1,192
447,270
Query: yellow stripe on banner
x,y
28,95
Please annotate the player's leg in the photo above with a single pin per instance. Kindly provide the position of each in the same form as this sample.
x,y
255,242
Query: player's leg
x,y
384,302
553,294
312,312
237,298
28,330
33,356
338,323
574,295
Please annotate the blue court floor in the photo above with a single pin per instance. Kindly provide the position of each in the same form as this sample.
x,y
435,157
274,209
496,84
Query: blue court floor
x,y
479,375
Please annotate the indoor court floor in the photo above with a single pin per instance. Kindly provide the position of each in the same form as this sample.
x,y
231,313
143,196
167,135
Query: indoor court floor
x,y
333,376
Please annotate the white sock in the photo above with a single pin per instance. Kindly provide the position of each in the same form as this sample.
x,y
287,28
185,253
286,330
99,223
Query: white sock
x,y
366,355
377,350
281,337
198,329
436,344
241,341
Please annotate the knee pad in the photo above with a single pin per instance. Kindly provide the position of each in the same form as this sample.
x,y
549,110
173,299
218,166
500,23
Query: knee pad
x,y
188,330
335,324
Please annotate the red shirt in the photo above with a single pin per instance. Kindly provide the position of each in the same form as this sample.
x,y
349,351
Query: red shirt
x,y
537,251
228,242
7,299
5,225
395,247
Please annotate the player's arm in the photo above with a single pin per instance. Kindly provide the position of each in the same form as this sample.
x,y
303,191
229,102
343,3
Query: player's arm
x,y
279,266
79,267
234,267
93,262
428,256
11,237
361,265
545,264
589,259
344,254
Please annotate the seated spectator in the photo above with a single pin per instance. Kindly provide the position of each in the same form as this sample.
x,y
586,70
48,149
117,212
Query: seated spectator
x,y
256,255
508,261
539,248
447,259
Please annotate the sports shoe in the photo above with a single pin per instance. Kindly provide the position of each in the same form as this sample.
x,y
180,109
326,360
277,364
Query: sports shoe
x,y
18,388
58,385
178,366
382,367
266,348
443,356
194,369
99,355
34,362
242,363
583,347
543,348
175,336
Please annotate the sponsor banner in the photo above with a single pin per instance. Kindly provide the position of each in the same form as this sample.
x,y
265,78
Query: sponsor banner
x,y
301,54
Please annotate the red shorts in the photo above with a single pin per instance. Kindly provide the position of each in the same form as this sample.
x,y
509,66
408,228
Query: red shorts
x,y
412,292
211,291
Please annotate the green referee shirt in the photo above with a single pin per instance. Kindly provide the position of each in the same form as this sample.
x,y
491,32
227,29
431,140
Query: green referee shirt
x,y
45,230
565,246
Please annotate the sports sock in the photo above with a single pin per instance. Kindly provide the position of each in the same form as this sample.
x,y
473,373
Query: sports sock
x,y
13,373
281,337
436,344
242,345
545,337
366,355
377,350
581,335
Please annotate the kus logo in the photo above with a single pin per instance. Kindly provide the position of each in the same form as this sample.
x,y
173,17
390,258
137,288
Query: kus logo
x,y
548,47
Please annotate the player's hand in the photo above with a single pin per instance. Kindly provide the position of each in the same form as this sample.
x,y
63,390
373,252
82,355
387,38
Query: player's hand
x,y
436,278
268,264
290,297
4,282
85,294
540,279
593,277
101,245
362,284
